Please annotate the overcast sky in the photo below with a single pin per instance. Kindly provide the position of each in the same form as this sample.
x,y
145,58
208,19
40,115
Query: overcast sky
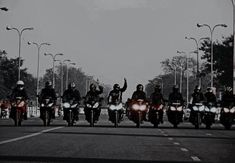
x,y
111,39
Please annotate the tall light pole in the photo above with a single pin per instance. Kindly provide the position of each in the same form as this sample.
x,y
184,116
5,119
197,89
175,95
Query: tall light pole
x,y
181,72
53,68
211,39
67,74
233,46
20,32
38,48
197,52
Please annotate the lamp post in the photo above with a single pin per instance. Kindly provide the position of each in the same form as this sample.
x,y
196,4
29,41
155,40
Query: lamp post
x,y
20,32
38,48
211,39
197,52
181,71
53,68
67,74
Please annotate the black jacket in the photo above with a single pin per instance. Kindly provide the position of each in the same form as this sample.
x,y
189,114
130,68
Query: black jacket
x,y
210,98
94,95
176,97
197,97
47,93
19,93
156,98
116,96
139,95
70,94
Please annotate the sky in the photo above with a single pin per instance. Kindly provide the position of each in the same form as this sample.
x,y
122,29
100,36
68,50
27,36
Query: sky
x,y
111,39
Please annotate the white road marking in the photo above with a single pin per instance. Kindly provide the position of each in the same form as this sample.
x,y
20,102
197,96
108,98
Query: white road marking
x,y
28,136
176,143
184,149
170,138
208,134
165,135
195,158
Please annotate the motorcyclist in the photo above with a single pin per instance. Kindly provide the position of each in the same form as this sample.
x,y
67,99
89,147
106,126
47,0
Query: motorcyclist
x,y
176,96
19,91
115,96
139,93
228,99
197,96
48,92
157,99
210,96
72,94
93,95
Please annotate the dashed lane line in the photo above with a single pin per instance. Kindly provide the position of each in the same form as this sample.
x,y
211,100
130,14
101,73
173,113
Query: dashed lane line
x,y
195,158
176,143
170,138
184,149
29,136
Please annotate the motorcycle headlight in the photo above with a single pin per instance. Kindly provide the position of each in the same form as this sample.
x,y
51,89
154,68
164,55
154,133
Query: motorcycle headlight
x,y
226,110
50,105
88,105
160,107
42,105
74,106
201,108
112,107
21,104
206,109
172,108
195,108
232,110
180,108
213,109
96,105
66,105
143,107
119,107
135,107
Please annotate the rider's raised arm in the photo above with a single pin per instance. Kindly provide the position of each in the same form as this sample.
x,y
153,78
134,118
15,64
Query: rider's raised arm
x,y
123,89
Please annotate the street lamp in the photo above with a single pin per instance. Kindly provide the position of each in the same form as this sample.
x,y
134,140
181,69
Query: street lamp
x,y
38,48
67,74
211,32
20,34
197,52
53,69
181,71
4,8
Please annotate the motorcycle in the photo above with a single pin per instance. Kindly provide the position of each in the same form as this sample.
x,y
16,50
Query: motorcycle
x,y
175,113
92,111
137,111
115,113
69,112
227,116
155,114
18,109
46,108
209,115
196,114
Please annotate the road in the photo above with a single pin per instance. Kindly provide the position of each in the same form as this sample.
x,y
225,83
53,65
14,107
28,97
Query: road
x,y
58,143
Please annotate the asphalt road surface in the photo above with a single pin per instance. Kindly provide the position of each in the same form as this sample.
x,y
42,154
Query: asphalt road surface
x,y
32,142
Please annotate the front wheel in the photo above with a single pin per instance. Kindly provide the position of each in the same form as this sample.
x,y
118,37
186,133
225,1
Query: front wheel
x,y
138,120
116,118
92,118
18,118
46,121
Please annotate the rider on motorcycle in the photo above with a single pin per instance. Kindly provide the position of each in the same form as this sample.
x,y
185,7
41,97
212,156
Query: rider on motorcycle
x,y
139,93
210,96
176,96
71,94
93,95
157,99
48,92
228,98
19,91
197,96
115,96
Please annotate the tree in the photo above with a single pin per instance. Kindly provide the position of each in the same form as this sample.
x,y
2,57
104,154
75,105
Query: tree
x,y
222,60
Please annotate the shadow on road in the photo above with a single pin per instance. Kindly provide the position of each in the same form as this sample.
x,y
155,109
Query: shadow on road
x,y
80,160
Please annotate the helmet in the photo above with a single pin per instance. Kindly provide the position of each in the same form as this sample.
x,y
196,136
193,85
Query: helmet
x,y
48,84
228,89
209,89
71,85
157,88
92,87
175,88
116,87
139,87
20,84
197,88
